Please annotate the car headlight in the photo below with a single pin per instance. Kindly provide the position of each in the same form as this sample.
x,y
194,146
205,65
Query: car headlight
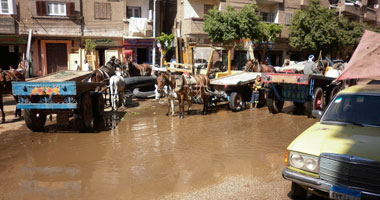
x,y
304,162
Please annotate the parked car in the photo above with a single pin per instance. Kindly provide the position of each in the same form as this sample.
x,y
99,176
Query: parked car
x,y
339,156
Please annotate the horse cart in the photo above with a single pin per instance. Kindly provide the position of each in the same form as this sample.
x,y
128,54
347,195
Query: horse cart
x,y
311,92
62,93
236,89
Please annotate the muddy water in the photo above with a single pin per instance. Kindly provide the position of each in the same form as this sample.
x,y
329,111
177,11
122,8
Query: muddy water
x,y
148,155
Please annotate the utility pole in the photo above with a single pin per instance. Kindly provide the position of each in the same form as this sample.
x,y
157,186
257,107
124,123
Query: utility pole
x,y
154,35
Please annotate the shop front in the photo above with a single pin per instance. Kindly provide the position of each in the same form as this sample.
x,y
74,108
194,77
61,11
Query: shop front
x,y
139,49
106,48
12,50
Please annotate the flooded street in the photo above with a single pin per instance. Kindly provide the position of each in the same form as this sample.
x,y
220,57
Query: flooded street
x,y
223,155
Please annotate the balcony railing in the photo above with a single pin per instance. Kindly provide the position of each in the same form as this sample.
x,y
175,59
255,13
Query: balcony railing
x,y
193,26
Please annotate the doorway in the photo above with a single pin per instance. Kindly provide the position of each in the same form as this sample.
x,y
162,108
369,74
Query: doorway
x,y
8,58
142,55
56,57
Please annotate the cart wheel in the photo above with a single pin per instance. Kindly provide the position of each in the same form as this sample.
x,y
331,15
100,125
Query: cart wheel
x,y
317,103
274,105
34,121
86,112
98,106
236,102
333,93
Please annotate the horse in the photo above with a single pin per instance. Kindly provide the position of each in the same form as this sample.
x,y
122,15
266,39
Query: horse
x,y
6,78
135,69
117,86
186,87
254,66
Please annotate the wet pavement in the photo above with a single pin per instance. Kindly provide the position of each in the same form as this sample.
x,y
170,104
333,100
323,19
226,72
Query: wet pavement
x,y
143,154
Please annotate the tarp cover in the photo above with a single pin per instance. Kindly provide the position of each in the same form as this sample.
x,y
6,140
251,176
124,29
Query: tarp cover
x,y
365,62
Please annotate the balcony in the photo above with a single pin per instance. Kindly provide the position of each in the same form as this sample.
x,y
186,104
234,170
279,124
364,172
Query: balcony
x,y
370,15
193,26
138,31
349,9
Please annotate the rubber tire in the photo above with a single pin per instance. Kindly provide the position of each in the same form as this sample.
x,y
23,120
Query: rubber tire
x,y
85,112
274,106
297,192
310,106
34,123
236,99
98,105
333,93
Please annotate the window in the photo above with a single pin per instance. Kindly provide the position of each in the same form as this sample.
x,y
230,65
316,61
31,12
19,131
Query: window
x,y
133,11
7,7
102,11
56,9
208,7
267,17
288,18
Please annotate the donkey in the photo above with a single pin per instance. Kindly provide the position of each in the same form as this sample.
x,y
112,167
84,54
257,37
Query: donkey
x,y
254,66
135,69
185,90
117,86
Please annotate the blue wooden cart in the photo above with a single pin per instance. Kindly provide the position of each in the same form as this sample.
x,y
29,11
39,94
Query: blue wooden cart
x,y
62,93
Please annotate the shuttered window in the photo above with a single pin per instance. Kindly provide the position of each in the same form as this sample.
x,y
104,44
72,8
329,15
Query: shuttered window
x,y
133,11
102,11
288,18
41,8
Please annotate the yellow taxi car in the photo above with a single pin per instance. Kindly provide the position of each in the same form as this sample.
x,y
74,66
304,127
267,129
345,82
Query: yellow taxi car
x,y
339,156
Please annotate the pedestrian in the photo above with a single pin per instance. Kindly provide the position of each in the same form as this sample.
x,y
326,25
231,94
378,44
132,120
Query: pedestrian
x,y
76,66
256,92
86,66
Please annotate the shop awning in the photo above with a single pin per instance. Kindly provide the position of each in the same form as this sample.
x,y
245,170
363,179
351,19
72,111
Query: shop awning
x,y
365,62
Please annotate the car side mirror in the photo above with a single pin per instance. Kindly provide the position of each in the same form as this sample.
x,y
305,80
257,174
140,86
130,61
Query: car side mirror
x,y
317,114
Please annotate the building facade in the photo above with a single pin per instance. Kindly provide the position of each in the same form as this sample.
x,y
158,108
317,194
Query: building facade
x,y
190,22
12,44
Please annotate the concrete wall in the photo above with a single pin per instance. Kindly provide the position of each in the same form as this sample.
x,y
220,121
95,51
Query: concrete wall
x,y
103,27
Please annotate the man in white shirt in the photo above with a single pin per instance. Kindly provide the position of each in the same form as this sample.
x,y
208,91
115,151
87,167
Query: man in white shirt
x,y
76,66
86,66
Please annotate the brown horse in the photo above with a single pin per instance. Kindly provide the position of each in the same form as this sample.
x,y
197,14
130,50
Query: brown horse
x,y
135,69
6,78
254,66
185,89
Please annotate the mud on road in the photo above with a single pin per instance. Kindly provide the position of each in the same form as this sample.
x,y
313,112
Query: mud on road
x,y
144,154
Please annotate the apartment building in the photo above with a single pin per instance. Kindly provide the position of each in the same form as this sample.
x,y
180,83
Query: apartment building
x,y
60,27
189,22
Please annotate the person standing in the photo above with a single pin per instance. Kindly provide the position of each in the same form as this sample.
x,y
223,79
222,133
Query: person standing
x,y
256,92
86,66
76,66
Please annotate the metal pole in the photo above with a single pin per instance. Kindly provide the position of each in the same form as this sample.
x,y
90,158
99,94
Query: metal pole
x,y
28,53
154,35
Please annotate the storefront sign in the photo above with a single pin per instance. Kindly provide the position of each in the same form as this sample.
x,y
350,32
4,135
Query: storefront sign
x,y
106,42
12,39
138,42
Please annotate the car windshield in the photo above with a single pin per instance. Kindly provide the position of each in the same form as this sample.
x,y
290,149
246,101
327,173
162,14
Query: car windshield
x,y
354,109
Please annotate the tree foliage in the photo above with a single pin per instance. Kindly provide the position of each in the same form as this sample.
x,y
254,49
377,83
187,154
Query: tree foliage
x,y
165,42
318,28
315,28
230,25
89,45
